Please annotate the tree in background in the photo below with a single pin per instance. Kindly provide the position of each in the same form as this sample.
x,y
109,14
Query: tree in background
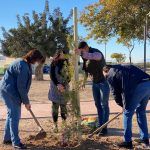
x,y
47,32
123,19
130,47
120,58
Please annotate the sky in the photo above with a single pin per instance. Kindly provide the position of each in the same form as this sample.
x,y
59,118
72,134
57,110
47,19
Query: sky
x,y
10,8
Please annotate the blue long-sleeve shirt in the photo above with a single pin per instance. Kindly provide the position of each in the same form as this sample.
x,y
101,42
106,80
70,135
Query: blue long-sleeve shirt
x,y
123,80
16,81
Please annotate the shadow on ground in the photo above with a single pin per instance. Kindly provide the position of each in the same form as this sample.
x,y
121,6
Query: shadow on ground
x,y
86,145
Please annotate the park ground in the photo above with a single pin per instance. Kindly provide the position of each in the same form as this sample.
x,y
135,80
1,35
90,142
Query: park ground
x,y
41,106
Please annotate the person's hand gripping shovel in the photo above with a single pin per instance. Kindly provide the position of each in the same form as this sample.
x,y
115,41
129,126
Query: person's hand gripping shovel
x,y
41,134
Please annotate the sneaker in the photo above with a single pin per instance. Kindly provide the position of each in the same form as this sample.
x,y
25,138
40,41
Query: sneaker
x,y
127,145
103,132
20,146
7,142
144,141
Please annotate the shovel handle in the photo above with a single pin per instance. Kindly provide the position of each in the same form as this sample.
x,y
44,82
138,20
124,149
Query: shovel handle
x,y
104,125
35,119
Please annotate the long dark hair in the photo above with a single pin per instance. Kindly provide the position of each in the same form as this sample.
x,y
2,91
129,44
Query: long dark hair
x,y
56,57
58,62
34,55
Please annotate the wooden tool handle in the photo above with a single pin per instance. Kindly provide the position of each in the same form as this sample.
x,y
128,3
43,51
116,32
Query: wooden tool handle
x,y
35,119
104,125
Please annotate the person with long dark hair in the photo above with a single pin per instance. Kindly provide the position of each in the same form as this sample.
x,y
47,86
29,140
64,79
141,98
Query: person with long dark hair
x,y
14,88
93,63
60,78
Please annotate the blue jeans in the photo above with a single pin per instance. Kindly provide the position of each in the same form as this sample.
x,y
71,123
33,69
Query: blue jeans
x,y
138,102
11,132
101,96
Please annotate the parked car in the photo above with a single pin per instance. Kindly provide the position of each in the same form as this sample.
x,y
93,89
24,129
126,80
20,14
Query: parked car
x,y
46,69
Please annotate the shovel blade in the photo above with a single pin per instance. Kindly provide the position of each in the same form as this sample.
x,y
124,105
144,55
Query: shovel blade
x,y
40,135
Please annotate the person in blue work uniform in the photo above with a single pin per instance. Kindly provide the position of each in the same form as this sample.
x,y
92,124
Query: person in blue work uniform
x,y
130,87
93,63
14,88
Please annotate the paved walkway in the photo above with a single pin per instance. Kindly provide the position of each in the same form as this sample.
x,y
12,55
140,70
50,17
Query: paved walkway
x,y
44,110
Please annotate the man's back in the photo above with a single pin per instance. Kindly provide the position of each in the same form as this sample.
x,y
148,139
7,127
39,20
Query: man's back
x,y
126,78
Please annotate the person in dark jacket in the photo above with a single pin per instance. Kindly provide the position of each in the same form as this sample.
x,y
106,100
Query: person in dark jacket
x,y
93,63
60,78
14,88
130,87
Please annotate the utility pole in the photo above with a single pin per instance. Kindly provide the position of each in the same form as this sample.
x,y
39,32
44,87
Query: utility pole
x,y
105,51
145,38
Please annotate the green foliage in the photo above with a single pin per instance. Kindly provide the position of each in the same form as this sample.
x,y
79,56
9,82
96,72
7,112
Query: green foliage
x,y
45,31
71,94
71,132
122,18
120,58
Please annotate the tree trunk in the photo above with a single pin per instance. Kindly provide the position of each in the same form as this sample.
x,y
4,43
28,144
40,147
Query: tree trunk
x,y
130,57
39,72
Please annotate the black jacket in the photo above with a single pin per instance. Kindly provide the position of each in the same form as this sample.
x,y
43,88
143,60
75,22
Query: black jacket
x,y
123,80
65,76
95,67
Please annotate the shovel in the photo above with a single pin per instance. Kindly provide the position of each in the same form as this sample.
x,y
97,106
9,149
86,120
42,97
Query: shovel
x,y
104,125
42,133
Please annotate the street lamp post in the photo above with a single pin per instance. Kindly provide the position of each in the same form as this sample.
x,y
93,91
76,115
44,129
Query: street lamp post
x,y
145,38
105,51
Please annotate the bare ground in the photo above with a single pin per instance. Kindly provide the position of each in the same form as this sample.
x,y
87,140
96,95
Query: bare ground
x,y
38,95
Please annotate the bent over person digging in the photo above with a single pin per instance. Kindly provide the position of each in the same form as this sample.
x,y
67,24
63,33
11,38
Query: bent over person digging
x,y
14,88
131,90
